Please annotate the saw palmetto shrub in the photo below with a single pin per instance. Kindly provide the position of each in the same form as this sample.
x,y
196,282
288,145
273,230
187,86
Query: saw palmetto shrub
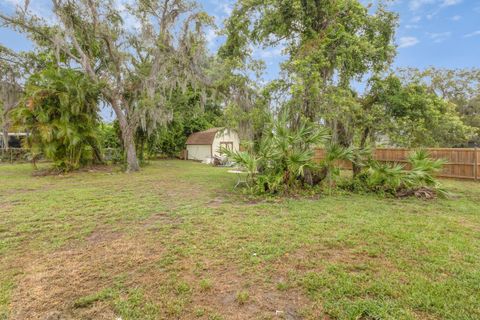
x,y
415,178
283,160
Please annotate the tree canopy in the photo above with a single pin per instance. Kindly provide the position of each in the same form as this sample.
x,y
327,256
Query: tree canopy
x,y
148,61
328,44
137,66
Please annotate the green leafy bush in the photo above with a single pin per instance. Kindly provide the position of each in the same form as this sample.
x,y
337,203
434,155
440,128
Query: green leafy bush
x,y
400,180
283,158
60,112
111,141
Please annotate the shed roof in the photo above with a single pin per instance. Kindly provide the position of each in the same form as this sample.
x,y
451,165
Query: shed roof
x,y
203,137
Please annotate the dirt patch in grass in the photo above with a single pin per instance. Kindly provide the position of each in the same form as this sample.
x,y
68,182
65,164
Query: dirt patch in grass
x,y
316,258
21,190
215,203
470,225
59,172
261,298
151,223
50,284
102,235
5,207
262,303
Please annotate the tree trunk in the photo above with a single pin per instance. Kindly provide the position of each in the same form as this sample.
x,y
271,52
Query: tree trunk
x,y
127,137
129,144
343,137
363,141
5,136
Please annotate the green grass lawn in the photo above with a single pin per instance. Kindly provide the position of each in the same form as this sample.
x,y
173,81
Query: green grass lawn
x,y
175,242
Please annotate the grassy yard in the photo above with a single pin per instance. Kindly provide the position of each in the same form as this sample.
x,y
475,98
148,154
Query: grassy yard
x,y
174,242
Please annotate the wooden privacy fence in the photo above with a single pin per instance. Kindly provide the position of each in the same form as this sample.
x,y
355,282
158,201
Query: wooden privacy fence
x,y
461,163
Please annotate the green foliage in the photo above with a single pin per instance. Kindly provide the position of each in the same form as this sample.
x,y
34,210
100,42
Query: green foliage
x,y
458,87
248,110
422,170
358,38
470,114
283,157
422,119
110,138
190,115
419,172
333,154
110,135
406,114
383,177
328,44
60,112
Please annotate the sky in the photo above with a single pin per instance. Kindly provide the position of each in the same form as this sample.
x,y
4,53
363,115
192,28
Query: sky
x,y
440,33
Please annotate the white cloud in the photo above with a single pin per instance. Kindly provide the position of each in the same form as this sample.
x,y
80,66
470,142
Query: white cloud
x,y
439,37
13,2
472,34
129,20
405,42
414,5
272,53
269,53
41,8
210,36
416,19
456,18
227,9
448,3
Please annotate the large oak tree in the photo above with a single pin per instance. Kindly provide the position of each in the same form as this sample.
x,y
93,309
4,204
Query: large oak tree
x,y
138,54
328,44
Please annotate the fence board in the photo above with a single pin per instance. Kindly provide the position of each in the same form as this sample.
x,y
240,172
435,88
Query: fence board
x,y
461,163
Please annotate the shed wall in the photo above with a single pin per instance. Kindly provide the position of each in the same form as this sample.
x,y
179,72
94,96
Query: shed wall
x,y
225,136
198,152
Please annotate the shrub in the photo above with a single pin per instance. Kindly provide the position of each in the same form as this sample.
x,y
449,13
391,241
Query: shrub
x,y
283,156
60,111
397,179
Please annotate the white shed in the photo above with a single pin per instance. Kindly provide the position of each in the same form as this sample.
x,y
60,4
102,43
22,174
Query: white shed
x,y
206,144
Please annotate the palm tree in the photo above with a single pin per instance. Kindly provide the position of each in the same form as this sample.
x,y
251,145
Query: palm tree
x,y
60,111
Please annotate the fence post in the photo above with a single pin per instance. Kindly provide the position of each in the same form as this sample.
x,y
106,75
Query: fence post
x,y
475,163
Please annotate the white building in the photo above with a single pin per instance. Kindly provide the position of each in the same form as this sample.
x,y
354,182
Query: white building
x,y
13,138
205,145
